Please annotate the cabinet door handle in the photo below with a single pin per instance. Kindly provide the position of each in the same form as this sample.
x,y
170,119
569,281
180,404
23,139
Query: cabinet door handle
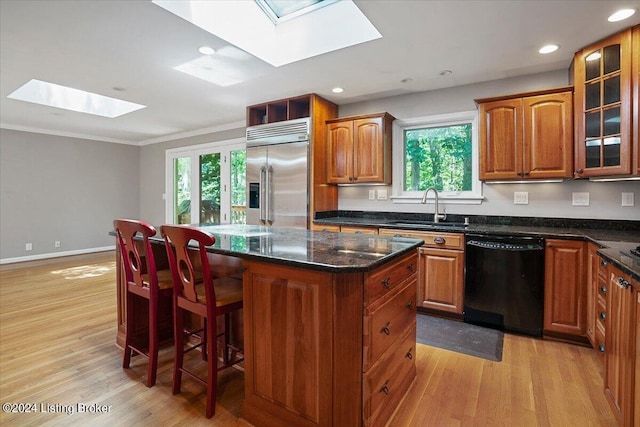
x,y
409,355
385,387
603,289
579,170
526,173
603,315
410,305
623,283
439,240
601,348
385,283
385,329
603,263
411,268
549,245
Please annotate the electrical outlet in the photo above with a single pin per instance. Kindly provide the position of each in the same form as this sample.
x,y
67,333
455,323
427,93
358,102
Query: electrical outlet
x,y
580,199
627,199
521,198
28,247
382,194
372,194
56,243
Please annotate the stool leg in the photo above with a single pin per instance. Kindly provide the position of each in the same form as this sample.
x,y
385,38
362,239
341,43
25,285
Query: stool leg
x,y
153,342
225,350
128,331
178,333
212,366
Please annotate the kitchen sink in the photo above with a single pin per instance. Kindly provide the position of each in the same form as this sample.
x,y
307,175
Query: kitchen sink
x,y
427,225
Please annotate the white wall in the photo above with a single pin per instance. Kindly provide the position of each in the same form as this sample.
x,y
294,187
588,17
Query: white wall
x,y
545,200
67,189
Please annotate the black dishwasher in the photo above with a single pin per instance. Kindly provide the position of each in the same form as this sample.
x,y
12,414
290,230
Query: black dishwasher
x,y
504,282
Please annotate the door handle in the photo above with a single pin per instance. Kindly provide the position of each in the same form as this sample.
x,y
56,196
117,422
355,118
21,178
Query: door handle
x,y
261,194
269,193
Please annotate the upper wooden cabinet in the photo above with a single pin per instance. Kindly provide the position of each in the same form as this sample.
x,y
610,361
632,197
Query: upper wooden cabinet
x,y
527,136
359,149
604,105
636,97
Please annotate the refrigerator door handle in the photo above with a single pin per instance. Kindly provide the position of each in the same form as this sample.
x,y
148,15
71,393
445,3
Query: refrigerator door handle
x,y
269,193
263,173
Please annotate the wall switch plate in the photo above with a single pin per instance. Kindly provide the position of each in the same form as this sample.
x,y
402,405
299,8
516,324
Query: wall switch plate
x,y
372,194
521,198
580,199
382,194
56,243
28,247
627,199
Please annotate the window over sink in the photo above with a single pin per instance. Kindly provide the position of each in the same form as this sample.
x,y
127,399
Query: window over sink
x,y
437,151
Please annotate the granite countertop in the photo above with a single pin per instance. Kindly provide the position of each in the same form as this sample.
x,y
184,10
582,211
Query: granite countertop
x,y
315,250
615,238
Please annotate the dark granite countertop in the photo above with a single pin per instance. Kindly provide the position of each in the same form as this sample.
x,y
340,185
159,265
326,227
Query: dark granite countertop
x,y
314,250
613,234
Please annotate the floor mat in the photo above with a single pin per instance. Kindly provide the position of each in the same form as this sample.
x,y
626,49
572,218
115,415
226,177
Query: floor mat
x,y
460,337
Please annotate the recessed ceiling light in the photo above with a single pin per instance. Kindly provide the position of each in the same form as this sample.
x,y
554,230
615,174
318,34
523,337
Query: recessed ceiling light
x,y
68,98
206,50
446,72
621,15
593,56
337,90
406,80
548,48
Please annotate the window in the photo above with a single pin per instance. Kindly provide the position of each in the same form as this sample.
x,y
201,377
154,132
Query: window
x,y
209,179
436,151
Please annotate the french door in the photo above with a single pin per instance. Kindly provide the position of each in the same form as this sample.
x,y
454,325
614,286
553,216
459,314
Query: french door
x,y
208,180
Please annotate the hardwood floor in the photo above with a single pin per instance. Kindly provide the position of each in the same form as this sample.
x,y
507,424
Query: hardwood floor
x,y
57,349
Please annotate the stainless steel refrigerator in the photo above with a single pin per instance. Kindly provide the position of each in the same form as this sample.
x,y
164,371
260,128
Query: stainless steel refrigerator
x,y
277,174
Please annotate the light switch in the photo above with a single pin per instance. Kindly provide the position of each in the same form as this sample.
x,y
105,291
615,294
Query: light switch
x,y
627,199
580,199
521,198
372,194
382,194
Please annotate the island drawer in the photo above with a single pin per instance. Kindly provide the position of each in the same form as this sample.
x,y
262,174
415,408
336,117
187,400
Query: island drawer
x,y
431,238
385,324
382,281
388,380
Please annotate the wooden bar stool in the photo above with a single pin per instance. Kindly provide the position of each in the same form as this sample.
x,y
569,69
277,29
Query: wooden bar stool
x,y
203,298
144,280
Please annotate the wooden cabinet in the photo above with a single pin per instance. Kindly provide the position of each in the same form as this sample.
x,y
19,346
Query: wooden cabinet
x,y
603,107
620,345
636,405
322,197
440,270
565,289
325,227
328,349
358,230
527,136
359,149
600,307
592,291
636,99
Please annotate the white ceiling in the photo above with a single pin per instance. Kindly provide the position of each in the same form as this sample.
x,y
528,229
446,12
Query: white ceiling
x,y
133,45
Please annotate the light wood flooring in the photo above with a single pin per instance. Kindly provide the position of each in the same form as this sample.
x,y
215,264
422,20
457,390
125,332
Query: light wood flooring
x,y
57,348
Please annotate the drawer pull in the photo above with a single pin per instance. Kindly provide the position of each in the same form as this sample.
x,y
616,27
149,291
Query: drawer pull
x,y
603,289
603,315
409,355
385,329
385,283
410,305
439,240
411,268
601,348
385,387
603,263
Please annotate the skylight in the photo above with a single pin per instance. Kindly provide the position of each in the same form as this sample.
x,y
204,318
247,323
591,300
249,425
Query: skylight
x,y
244,24
279,10
68,98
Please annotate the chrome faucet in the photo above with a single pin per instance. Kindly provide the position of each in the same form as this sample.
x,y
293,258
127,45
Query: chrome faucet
x,y
436,215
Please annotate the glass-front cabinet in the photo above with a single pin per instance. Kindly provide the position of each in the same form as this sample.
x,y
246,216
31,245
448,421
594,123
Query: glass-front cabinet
x,y
603,107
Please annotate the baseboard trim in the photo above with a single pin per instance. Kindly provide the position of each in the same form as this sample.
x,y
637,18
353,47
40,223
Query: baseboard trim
x,y
55,255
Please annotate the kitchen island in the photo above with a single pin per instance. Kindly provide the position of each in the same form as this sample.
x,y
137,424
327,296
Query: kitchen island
x,y
329,323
